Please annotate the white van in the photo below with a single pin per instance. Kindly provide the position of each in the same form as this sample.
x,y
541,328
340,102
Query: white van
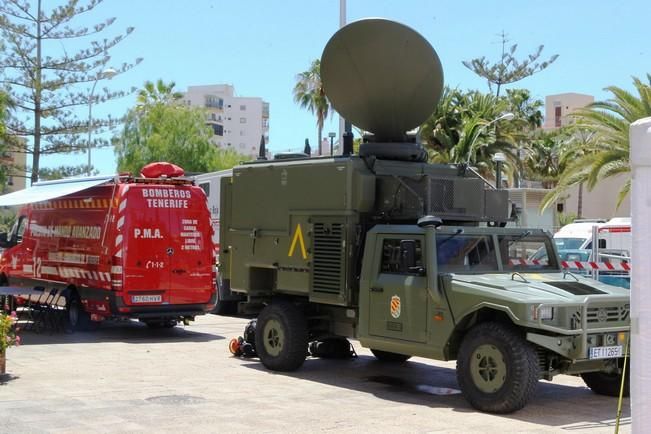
x,y
614,236
211,185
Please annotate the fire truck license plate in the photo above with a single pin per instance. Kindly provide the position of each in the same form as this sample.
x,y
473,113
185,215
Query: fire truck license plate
x,y
605,352
146,298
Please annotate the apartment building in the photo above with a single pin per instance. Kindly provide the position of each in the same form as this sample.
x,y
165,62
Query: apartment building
x,y
16,178
559,107
237,122
601,202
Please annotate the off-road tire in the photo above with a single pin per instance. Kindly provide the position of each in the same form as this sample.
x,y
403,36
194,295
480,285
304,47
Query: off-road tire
x,y
606,384
77,319
389,357
281,337
497,369
225,308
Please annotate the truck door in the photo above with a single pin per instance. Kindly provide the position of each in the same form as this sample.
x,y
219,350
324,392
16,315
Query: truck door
x,y
398,290
192,258
145,245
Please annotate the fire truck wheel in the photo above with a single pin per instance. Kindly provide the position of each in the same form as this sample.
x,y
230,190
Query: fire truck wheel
x,y
77,318
389,357
603,383
281,337
497,369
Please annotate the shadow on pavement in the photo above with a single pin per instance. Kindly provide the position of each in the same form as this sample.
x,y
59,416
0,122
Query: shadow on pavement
x,y
567,407
130,332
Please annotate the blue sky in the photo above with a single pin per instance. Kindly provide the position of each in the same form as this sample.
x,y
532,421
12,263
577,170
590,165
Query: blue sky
x,y
259,46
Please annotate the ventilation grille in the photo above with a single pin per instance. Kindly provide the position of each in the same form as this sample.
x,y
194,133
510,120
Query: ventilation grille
x,y
328,257
602,315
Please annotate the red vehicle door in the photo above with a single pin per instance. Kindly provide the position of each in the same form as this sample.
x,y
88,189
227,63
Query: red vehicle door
x,y
145,246
191,263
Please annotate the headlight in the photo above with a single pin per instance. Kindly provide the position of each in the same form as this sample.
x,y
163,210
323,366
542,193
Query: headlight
x,y
544,313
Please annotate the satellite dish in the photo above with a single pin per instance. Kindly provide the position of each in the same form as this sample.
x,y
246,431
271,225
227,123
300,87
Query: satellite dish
x,y
382,76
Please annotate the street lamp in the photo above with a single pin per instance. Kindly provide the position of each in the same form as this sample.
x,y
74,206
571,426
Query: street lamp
x,y
499,158
332,138
107,73
503,117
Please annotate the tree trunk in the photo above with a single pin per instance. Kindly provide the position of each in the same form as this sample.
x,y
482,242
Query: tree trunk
x,y
579,211
37,99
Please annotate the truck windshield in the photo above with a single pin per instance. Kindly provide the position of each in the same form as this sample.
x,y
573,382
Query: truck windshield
x,y
459,253
527,253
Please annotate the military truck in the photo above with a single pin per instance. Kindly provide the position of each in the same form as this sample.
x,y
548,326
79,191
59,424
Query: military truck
x,y
410,258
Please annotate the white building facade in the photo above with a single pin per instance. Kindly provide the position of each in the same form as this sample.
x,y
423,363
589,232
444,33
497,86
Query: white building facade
x,y
238,123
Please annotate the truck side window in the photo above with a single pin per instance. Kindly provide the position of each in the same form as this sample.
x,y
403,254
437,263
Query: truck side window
x,y
391,257
205,186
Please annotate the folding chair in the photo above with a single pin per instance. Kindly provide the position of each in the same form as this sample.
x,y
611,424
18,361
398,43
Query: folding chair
x,y
42,310
30,309
54,312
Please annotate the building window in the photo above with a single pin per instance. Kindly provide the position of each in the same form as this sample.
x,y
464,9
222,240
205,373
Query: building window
x,y
218,130
242,133
242,107
213,101
557,116
242,120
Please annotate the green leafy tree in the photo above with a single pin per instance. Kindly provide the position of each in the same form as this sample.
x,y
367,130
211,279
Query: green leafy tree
x,y
601,146
508,69
309,94
159,128
48,83
51,173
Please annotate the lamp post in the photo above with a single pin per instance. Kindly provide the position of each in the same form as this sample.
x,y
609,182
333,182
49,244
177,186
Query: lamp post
x,y
499,158
107,73
332,138
503,117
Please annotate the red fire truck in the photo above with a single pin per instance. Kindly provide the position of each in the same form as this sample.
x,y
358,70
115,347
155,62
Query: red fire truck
x,y
116,247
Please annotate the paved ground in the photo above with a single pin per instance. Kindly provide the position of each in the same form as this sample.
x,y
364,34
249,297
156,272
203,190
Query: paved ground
x,y
128,378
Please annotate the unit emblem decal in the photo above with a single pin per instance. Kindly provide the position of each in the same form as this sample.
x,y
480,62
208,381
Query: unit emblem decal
x,y
395,306
298,239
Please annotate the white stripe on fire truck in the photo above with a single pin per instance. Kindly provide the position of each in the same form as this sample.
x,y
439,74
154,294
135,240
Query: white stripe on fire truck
x,y
28,268
49,270
120,222
118,240
123,205
118,254
116,269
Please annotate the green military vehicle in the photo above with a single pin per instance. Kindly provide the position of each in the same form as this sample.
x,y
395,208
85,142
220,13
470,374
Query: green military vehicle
x,y
410,258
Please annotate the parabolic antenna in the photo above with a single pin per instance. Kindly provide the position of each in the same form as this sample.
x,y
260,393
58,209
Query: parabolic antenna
x,y
382,76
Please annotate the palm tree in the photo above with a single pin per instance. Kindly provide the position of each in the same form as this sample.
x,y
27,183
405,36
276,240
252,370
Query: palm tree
x,y
157,93
309,94
605,150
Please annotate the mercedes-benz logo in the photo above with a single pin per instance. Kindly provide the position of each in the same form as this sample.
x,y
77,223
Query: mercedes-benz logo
x,y
602,315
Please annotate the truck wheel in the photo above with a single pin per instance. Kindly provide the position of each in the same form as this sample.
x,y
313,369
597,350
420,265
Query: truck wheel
x,y
389,357
497,370
603,383
281,337
77,318
225,308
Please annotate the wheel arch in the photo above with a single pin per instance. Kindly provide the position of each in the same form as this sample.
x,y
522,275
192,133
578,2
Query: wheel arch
x,y
482,314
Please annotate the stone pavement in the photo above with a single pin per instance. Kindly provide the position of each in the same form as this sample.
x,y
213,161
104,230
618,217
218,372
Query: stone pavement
x,y
128,378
